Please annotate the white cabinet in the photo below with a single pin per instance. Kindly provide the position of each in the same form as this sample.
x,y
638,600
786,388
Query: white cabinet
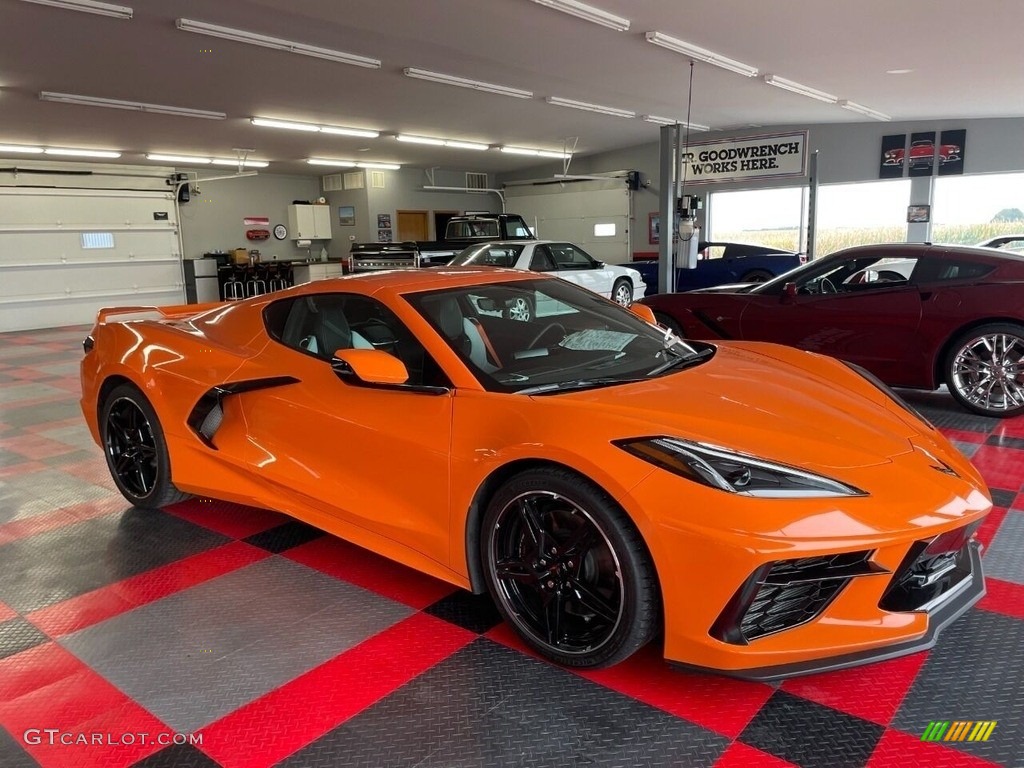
x,y
307,273
309,222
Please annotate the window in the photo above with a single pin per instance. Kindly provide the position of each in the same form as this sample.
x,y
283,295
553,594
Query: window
x,y
861,214
945,270
541,260
568,256
321,324
91,240
473,228
488,255
771,217
850,274
968,210
604,230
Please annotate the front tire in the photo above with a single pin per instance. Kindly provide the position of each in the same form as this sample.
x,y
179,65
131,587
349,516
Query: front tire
x,y
757,276
568,570
668,322
521,309
622,292
984,369
136,450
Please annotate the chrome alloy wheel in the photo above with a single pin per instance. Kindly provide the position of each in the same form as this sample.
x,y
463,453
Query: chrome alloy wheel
x,y
557,573
520,310
988,371
131,447
623,295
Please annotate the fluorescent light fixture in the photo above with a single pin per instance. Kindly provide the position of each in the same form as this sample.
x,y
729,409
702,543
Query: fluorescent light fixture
x,y
243,36
700,54
536,152
12,148
861,109
587,107
190,160
588,12
442,142
462,82
672,121
82,153
803,90
133,106
89,6
293,125
353,164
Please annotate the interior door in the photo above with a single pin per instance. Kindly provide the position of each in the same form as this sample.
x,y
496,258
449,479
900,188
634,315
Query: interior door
x,y
412,225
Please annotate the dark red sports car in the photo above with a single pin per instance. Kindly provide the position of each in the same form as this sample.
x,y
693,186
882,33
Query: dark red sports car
x,y
915,315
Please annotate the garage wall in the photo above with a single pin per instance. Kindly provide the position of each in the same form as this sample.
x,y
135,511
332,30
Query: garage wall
x,y
213,219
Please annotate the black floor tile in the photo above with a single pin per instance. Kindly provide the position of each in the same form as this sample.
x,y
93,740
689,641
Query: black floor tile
x,y
285,536
1003,441
178,756
50,567
17,635
473,612
1002,498
976,672
811,735
12,754
487,705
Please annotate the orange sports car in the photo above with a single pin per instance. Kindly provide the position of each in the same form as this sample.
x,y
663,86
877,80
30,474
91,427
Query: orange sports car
x,y
767,511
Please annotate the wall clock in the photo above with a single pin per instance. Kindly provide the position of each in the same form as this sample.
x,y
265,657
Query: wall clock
x,y
280,231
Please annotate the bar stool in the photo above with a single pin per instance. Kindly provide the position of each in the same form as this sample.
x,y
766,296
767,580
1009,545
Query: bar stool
x,y
277,281
234,290
255,285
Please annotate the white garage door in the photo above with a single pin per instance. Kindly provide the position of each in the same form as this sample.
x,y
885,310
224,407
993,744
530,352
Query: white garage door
x,y
64,253
593,214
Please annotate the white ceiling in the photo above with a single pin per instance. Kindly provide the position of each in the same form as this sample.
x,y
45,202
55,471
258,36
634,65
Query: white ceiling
x,y
966,58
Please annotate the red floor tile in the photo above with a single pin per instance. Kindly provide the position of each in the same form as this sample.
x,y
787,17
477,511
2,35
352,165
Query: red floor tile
x,y
1010,427
1001,467
34,446
963,435
229,519
252,736
48,688
16,470
370,571
873,692
107,602
900,750
739,755
990,526
1003,597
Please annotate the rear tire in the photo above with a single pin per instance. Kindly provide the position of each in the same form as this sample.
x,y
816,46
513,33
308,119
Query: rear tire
x,y
757,276
668,322
568,570
135,449
984,369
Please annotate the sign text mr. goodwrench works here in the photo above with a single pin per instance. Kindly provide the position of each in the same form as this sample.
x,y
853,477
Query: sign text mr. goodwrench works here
x,y
751,157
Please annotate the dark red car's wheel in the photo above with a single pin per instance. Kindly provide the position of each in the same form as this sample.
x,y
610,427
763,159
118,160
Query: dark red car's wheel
x,y
985,369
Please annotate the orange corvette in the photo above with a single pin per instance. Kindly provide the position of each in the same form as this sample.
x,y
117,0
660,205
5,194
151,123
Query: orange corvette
x,y
768,511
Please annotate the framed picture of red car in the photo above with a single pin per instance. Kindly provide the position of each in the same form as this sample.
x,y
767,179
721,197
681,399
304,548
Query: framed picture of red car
x,y
951,152
893,158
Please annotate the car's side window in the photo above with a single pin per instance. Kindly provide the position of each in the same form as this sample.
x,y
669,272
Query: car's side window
x,y
947,270
321,324
541,260
568,256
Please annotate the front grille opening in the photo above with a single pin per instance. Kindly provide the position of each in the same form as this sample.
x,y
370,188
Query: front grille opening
x,y
788,593
930,570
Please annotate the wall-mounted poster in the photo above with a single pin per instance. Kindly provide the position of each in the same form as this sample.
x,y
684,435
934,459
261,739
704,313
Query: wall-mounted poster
x,y
918,214
772,156
894,155
384,235
346,215
383,221
921,156
952,145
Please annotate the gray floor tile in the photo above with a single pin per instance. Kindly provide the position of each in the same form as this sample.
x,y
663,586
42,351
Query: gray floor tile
x,y
41,413
28,391
967,449
58,489
77,436
1005,557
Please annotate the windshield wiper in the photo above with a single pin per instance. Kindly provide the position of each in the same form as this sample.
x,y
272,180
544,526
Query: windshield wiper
x,y
562,386
683,361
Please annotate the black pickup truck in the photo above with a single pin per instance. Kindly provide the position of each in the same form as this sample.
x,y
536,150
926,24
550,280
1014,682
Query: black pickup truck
x,y
461,231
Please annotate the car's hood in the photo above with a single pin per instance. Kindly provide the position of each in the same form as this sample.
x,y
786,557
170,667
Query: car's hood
x,y
816,415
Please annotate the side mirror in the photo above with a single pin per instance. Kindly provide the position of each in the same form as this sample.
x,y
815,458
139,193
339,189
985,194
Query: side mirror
x,y
644,312
369,367
789,292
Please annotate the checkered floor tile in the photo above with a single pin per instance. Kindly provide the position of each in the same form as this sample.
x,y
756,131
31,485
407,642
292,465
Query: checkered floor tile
x,y
210,635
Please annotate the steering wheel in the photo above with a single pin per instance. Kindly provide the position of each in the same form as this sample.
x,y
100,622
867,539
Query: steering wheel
x,y
543,333
827,286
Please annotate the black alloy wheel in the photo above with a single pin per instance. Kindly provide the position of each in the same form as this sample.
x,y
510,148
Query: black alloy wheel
x,y
568,570
135,449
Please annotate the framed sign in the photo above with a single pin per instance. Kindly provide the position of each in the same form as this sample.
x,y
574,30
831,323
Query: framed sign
x,y
346,215
772,156
918,214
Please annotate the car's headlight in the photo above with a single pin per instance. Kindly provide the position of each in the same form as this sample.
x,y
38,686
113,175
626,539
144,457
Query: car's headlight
x,y
885,389
735,472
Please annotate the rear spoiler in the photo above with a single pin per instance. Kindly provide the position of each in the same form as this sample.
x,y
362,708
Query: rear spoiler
x,y
176,312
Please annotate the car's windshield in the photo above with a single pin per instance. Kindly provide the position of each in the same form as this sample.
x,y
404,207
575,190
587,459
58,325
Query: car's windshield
x,y
544,336
487,255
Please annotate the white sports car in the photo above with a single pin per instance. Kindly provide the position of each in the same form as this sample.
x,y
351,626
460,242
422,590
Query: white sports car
x,y
565,260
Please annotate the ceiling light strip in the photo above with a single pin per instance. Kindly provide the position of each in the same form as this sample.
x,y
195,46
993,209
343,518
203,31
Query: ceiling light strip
x,y
62,151
353,164
132,106
587,12
462,82
189,159
802,90
861,109
587,107
452,143
672,121
536,152
12,148
700,54
265,41
89,6
294,125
